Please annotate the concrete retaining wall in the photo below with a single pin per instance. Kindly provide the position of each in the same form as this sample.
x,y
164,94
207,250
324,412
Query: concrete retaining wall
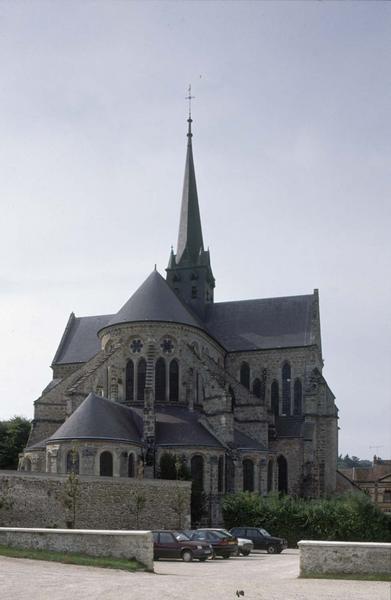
x,y
136,545
364,558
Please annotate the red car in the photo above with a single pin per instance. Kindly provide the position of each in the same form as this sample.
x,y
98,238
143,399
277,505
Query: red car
x,y
175,544
223,544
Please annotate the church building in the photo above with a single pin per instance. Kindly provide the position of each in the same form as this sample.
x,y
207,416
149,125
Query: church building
x,y
233,389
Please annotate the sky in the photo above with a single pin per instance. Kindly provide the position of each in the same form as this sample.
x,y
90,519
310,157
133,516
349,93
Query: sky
x,y
292,148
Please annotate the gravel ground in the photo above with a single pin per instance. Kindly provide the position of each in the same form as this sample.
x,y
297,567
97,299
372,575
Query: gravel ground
x,y
260,576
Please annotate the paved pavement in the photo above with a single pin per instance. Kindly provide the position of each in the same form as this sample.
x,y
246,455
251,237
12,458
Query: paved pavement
x,y
260,576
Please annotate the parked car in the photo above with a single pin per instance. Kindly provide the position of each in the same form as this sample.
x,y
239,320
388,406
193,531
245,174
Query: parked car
x,y
261,539
173,544
223,544
244,546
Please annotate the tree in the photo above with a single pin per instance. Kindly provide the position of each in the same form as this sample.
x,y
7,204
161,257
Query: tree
x,y
138,501
71,492
14,434
348,462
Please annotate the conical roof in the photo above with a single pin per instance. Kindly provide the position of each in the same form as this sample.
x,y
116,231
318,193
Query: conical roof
x,y
154,301
190,242
99,418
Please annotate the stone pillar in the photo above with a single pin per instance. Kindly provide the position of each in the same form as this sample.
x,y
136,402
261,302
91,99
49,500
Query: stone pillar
x,y
262,476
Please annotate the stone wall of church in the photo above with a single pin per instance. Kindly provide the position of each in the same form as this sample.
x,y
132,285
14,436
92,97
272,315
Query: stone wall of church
x,y
102,503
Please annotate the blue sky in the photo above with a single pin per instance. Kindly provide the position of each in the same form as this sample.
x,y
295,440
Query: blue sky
x,y
292,150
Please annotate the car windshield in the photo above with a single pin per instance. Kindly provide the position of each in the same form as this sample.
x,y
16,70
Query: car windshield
x,y
181,537
264,532
222,535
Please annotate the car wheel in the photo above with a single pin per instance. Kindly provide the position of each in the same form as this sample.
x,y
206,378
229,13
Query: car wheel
x,y
187,556
213,555
271,549
245,552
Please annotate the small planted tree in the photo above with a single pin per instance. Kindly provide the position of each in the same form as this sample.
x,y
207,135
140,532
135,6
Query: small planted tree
x,y
137,504
71,492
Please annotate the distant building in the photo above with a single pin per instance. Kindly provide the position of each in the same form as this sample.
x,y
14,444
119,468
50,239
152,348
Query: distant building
x,y
233,388
374,481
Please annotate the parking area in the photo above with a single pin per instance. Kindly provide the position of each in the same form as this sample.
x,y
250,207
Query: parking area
x,y
260,576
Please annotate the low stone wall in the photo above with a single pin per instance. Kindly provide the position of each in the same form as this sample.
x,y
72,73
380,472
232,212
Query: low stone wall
x,y
363,558
136,545
41,500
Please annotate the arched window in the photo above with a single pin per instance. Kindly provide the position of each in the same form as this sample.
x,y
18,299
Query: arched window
x,y
286,389
174,381
245,375
141,374
131,465
129,381
257,387
248,475
160,380
282,475
106,464
73,461
232,393
220,474
275,399
297,397
197,471
270,476
229,474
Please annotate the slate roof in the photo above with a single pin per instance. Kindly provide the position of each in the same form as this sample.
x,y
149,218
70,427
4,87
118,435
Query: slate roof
x,y
177,426
259,324
154,301
238,326
99,418
243,442
80,340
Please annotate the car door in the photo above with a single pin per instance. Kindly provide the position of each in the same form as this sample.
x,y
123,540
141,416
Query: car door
x,y
168,546
257,538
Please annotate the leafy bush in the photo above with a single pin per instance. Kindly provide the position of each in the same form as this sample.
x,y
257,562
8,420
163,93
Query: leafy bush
x,y
351,517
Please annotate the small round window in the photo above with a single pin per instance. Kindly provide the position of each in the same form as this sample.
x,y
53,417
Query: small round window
x,y
167,346
136,346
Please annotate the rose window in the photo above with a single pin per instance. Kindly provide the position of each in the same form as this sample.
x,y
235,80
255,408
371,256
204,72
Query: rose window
x,y
167,346
136,346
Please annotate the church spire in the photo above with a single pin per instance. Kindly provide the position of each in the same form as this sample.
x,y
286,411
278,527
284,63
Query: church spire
x,y
190,241
189,272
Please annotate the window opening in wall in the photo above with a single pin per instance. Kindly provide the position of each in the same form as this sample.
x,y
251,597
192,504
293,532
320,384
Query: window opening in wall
x,y
129,381
167,346
193,291
136,346
286,389
197,471
387,496
106,464
233,399
174,381
297,397
229,474
245,375
220,474
73,462
270,476
275,399
141,376
282,475
257,387
160,380
248,475
131,465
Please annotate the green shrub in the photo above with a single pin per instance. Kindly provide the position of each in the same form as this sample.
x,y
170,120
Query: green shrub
x,y
352,517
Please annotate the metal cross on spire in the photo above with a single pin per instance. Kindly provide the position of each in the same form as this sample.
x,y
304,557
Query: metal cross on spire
x,y
189,98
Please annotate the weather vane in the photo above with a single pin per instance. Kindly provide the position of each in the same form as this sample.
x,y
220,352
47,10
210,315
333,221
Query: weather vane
x,y
189,98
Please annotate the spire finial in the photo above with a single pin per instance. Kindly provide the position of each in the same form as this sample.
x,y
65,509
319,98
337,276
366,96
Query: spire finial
x,y
189,120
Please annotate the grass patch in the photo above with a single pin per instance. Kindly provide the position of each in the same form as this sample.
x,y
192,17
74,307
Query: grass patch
x,y
73,559
349,576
